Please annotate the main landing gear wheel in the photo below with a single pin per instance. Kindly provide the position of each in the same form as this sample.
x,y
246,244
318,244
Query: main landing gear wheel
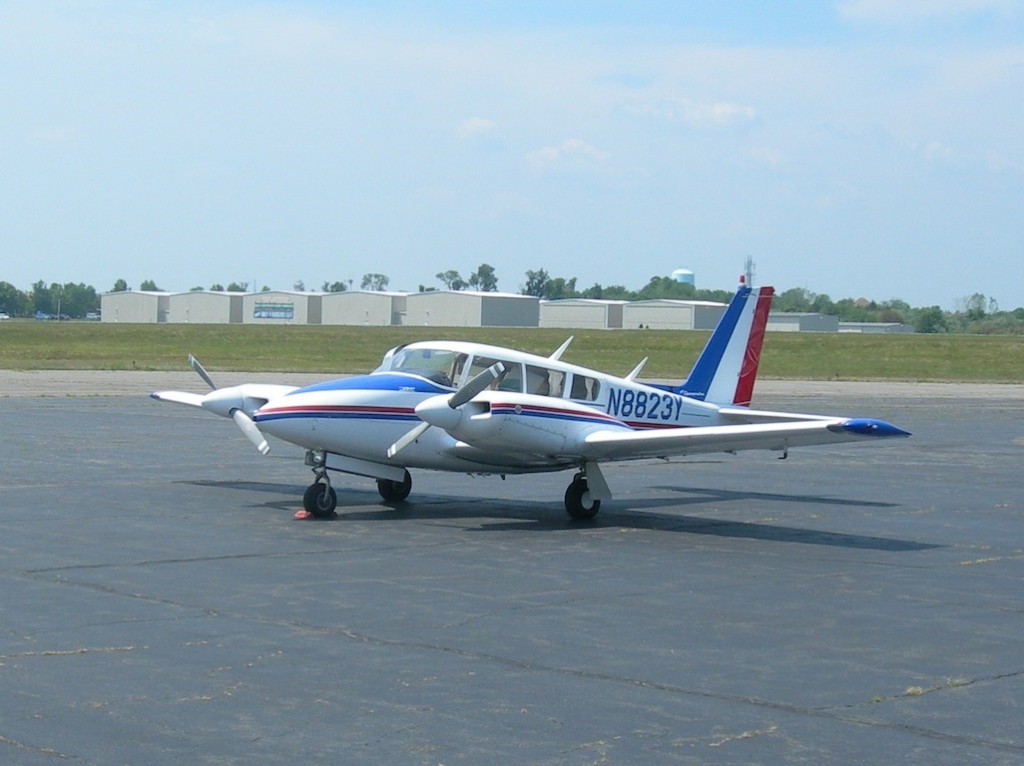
x,y
578,502
320,500
395,491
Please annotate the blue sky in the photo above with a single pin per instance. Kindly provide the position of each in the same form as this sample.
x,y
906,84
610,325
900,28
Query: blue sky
x,y
856,148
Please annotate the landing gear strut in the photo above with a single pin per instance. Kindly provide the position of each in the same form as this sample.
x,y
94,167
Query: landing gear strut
x,y
320,499
578,502
395,491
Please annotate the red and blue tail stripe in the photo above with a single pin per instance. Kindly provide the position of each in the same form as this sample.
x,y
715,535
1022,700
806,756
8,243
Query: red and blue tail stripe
x,y
727,367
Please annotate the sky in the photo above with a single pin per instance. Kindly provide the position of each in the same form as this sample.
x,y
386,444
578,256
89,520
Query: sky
x,y
855,148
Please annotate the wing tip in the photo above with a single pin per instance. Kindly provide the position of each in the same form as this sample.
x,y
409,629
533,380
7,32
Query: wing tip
x,y
871,427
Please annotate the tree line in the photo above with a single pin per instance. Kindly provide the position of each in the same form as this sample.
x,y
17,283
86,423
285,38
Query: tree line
x,y
976,313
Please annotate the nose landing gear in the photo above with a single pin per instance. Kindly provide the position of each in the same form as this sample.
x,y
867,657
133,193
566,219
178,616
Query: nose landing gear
x,y
320,499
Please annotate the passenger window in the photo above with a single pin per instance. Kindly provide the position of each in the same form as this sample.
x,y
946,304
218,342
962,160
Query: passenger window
x,y
537,381
544,382
584,388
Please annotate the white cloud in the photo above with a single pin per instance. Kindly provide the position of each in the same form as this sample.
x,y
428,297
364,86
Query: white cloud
x,y
935,151
766,155
57,135
476,126
704,116
900,11
571,154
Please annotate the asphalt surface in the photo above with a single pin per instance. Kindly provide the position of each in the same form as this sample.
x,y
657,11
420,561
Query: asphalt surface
x,y
852,604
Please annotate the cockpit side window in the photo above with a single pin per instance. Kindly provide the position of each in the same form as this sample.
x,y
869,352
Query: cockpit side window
x,y
510,380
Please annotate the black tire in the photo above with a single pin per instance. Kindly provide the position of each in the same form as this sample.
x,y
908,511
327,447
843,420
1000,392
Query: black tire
x,y
395,491
574,501
320,500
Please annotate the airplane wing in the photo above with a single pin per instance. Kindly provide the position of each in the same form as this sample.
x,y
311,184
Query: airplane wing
x,y
179,397
610,445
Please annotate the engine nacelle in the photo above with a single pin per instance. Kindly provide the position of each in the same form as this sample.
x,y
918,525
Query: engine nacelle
x,y
527,423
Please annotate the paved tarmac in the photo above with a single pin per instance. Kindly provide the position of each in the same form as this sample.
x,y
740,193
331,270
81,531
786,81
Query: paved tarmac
x,y
852,604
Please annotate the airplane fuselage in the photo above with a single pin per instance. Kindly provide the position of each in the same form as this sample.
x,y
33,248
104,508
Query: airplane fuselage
x,y
539,408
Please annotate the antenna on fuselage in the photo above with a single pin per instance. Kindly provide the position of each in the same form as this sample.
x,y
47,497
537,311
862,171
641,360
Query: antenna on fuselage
x,y
561,349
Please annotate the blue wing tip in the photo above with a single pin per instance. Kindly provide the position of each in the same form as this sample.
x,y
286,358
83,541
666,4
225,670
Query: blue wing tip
x,y
871,427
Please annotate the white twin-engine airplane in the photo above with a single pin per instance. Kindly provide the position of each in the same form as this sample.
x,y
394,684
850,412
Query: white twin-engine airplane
x,y
478,409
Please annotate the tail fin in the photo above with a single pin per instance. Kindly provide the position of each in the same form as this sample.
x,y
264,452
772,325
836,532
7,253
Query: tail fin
x,y
726,368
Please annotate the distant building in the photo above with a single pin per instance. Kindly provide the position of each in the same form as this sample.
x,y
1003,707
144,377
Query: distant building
x,y
875,327
205,307
466,308
135,307
282,307
582,313
370,308
785,321
666,314
367,308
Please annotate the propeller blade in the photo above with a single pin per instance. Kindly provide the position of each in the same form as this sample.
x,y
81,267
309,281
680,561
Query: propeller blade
x,y
407,439
476,385
194,364
251,430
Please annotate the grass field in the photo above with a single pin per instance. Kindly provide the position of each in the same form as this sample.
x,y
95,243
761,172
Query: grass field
x,y
334,349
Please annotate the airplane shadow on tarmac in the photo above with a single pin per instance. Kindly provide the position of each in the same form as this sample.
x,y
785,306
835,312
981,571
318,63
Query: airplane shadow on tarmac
x,y
550,517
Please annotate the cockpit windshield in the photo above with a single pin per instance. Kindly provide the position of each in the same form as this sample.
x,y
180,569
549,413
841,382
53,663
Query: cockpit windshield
x,y
456,368
438,365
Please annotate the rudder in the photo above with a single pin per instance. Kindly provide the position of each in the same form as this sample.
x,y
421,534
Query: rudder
x,y
727,367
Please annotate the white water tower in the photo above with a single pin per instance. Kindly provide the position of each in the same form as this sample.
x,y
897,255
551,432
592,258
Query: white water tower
x,y
684,276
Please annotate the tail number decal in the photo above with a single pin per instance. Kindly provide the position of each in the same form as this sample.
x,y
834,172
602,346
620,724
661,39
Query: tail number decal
x,y
647,405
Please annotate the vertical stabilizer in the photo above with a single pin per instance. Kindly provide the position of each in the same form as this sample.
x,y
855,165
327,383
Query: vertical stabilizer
x,y
727,367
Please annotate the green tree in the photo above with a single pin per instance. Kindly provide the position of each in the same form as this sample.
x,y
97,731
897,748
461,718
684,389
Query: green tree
x,y
451,280
376,282
334,287
822,304
667,288
931,320
484,279
43,298
77,300
617,293
795,299
120,286
536,283
13,302
560,288
975,307
149,286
